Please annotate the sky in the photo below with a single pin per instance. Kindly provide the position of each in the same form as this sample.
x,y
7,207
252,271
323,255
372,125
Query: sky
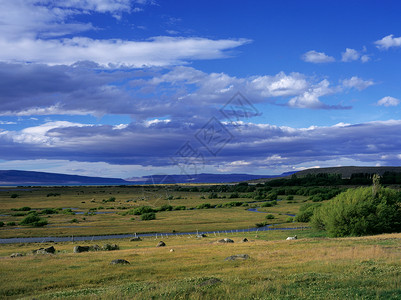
x,y
127,88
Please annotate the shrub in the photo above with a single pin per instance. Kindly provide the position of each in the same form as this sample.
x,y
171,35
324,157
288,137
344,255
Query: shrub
x,y
141,210
11,224
14,195
290,197
48,211
290,220
111,199
262,224
269,216
213,195
204,205
25,208
74,221
181,207
306,211
234,195
148,216
166,207
68,211
266,204
33,220
360,211
1,224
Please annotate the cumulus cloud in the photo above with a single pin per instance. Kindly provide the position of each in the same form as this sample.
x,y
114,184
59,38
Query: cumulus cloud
x,y
317,57
356,82
388,101
388,42
350,55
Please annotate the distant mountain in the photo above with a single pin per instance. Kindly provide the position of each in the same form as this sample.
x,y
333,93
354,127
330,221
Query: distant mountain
x,y
198,178
13,177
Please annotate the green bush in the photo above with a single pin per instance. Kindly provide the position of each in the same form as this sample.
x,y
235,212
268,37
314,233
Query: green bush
x,y
14,195
267,204
269,216
111,199
33,220
166,207
25,208
359,212
148,216
11,224
306,211
290,220
68,211
204,205
48,211
290,197
180,207
141,210
1,224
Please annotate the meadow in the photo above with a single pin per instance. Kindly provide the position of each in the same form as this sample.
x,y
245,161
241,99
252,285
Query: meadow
x,y
311,267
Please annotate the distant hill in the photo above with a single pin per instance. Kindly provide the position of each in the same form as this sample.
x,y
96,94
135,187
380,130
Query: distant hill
x,y
198,178
13,177
346,172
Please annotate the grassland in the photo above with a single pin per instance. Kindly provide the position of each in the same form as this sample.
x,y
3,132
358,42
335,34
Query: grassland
x,y
112,217
312,267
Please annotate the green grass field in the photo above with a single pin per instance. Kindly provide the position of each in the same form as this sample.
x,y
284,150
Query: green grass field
x,y
311,267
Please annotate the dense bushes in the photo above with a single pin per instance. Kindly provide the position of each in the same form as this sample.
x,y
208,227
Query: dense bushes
x,y
34,220
306,212
148,216
359,212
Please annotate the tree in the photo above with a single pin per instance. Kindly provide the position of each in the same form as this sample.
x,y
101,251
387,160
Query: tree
x,y
360,211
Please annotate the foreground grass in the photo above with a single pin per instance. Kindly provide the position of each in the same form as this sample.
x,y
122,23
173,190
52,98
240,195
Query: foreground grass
x,y
308,268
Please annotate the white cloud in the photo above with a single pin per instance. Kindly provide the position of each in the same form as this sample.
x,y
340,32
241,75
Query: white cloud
x,y
365,58
388,101
350,55
388,42
157,51
356,82
317,57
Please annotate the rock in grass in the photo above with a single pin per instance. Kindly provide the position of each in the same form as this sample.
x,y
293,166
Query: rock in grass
x,y
226,240
244,240
135,239
110,247
119,262
161,244
49,250
16,255
237,257
202,235
211,281
79,249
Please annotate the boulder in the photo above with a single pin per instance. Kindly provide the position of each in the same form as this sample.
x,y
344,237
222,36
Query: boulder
x,y
292,238
161,244
172,250
119,262
226,240
110,247
237,257
16,255
244,240
79,249
202,235
49,250
135,239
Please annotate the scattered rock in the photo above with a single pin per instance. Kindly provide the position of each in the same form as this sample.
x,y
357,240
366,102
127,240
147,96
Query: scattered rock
x,y
119,262
49,250
256,236
202,235
238,256
172,250
161,244
16,255
135,239
211,281
226,240
292,238
110,247
79,249
244,240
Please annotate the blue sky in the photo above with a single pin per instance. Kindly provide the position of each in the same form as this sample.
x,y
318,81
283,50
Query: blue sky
x,y
124,88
